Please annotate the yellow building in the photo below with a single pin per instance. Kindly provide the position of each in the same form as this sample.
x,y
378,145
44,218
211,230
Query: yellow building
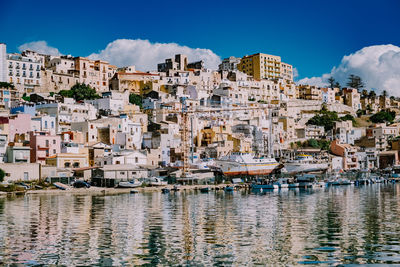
x,y
264,66
68,160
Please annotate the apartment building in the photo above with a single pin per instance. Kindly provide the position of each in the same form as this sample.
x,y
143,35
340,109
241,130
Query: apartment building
x,y
95,73
43,145
264,66
229,64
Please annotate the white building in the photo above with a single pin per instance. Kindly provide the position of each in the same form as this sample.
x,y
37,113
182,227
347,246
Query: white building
x,y
3,63
24,70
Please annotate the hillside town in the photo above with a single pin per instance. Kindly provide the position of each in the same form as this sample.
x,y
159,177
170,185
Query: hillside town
x,y
67,117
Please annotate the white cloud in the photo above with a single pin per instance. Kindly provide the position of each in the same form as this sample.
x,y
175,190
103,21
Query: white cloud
x,y
146,55
378,66
40,47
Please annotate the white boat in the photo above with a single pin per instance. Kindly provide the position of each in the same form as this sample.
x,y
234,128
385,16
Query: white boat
x,y
305,163
246,164
130,184
156,181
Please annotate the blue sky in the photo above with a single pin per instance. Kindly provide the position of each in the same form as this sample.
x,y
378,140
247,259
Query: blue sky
x,y
313,35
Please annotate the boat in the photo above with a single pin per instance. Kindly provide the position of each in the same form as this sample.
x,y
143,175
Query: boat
x,y
129,184
306,180
246,164
229,188
80,184
61,186
156,181
304,163
282,183
204,189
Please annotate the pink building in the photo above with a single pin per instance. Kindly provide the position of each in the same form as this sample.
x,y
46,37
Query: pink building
x,y
43,145
19,124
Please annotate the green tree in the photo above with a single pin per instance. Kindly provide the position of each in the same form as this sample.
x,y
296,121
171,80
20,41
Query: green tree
x,y
372,94
355,81
135,99
80,92
383,116
337,85
384,93
2,175
331,82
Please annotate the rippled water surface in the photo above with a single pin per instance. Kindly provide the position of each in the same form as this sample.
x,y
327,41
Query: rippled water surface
x,y
340,225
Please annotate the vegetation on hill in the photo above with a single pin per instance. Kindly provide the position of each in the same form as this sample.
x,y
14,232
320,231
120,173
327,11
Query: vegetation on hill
x,y
383,116
313,143
80,92
135,99
328,118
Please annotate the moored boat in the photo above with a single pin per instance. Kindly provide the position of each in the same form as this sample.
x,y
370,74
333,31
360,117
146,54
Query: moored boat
x,y
246,164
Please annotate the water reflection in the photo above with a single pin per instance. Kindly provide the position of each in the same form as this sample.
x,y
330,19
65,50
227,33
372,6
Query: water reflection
x,y
339,225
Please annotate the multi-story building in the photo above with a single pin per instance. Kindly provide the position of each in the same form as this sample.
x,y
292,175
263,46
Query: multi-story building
x,y
310,92
95,73
263,66
178,63
43,145
3,63
352,98
24,70
328,95
229,64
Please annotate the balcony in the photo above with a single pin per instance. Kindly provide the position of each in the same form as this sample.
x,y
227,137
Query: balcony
x,y
43,147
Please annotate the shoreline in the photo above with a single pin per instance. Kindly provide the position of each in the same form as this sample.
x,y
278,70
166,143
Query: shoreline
x,y
113,191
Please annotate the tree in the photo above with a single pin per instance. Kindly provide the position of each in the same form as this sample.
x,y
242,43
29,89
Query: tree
x,y
364,93
331,82
384,93
337,85
383,116
135,99
2,175
80,92
372,94
355,81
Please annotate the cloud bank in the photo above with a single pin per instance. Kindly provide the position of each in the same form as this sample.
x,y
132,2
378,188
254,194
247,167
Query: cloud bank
x,y
41,47
378,66
146,55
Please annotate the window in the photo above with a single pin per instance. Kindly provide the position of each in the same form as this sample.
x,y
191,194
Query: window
x,y
54,141
76,164
54,151
47,143
105,162
45,124
67,164
122,173
136,160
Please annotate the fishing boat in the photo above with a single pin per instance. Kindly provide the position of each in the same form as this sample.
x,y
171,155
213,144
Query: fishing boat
x,y
156,181
306,180
282,183
305,163
246,164
129,184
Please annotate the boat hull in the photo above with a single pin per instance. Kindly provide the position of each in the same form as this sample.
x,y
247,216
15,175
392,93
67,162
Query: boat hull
x,y
305,167
238,169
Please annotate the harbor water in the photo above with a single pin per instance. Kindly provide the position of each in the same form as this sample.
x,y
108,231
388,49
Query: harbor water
x,y
332,226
